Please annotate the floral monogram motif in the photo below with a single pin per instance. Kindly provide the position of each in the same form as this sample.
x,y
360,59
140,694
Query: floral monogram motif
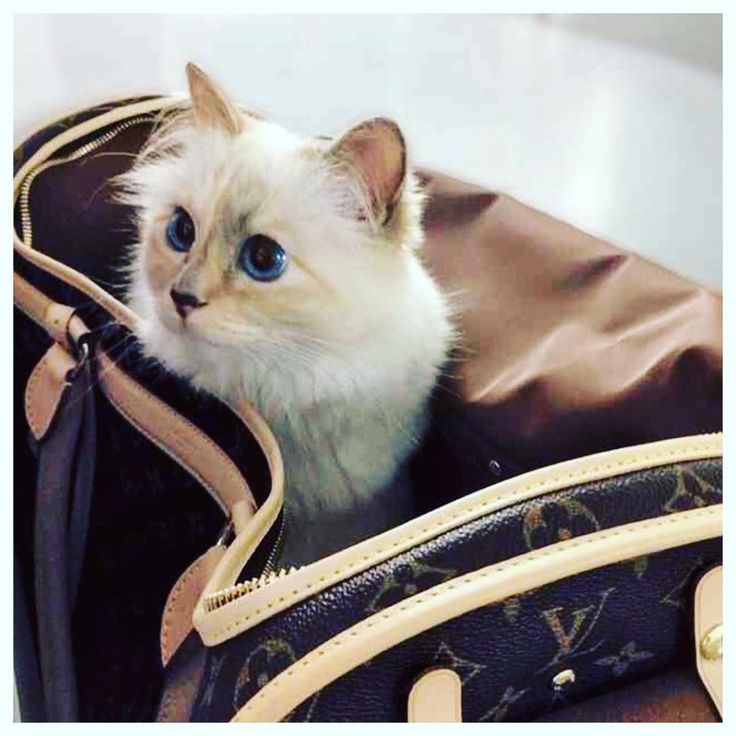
x,y
466,669
512,606
620,662
500,709
552,521
265,662
406,580
677,596
691,492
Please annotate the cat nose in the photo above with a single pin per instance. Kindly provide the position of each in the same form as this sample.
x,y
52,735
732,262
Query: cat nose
x,y
185,303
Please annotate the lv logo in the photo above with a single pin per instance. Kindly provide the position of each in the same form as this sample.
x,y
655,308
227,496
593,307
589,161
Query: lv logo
x,y
572,630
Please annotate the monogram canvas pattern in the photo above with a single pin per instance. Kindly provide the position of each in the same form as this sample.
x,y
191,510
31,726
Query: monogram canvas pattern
x,y
576,626
607,626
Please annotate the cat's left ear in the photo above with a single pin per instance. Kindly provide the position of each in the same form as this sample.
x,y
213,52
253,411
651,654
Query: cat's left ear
x,y
212,107
376,150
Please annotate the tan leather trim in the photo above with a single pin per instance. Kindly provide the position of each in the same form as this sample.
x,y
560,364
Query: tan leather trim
x,y
169,430
115,307
53,317
45,388
243,613
451,599
74,112
436,697
245,543
176,435
85,285
177,620
90,126
708,615
252,530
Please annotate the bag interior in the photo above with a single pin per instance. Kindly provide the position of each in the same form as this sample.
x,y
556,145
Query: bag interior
x,y
571,346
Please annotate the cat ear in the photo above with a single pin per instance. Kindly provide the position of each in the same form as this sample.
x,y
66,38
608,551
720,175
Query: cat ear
x,y
212,107
376,150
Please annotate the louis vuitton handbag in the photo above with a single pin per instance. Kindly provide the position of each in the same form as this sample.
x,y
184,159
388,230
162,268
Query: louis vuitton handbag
x,y
567,561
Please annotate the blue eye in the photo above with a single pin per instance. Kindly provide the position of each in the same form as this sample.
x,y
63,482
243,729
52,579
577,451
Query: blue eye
x,y
180,230
262,258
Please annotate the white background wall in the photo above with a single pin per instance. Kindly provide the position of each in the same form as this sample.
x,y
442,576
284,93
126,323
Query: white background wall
x,y
610,122
695,38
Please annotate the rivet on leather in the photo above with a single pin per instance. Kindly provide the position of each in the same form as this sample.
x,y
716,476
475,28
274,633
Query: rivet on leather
x,y
709,633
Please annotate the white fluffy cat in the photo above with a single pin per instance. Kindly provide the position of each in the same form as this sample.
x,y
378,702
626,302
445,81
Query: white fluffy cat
x,y
284,269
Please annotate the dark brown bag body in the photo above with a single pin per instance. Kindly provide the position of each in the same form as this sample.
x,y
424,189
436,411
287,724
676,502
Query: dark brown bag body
x,y
570,346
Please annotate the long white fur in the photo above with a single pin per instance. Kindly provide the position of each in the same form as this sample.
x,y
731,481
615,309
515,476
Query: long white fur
x,y
343,371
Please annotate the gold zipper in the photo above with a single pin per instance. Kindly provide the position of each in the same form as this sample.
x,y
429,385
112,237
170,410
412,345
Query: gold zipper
x,y
25,188
227,595
222,597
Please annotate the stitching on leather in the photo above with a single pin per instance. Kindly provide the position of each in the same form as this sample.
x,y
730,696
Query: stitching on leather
x,y
704,671
232,471
38,427
74,278
127,413
30,388
173,598
570,479
124,411
557,549
61,270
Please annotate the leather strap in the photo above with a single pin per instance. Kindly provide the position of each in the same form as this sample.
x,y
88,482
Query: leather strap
x,y
436,698
45,387
189,445
177,619
708,619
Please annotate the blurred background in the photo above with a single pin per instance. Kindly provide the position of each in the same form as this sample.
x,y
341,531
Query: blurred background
x,y
611,122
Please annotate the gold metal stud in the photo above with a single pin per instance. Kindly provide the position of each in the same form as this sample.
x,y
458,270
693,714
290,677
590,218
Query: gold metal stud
x,y
711,645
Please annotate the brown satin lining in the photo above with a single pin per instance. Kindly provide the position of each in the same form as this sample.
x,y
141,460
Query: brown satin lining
x,y
571,345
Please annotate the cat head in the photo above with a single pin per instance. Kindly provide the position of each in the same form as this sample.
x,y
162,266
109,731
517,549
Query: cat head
x,y
265,256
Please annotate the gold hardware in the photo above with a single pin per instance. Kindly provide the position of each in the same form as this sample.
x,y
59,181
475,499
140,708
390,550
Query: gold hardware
x,y
95,143
227,595
711,645
561,679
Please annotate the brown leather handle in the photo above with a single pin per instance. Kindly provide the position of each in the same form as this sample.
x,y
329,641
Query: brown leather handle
x,y
159,422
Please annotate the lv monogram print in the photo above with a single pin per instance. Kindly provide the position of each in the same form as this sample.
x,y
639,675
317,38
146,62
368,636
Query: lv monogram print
x,y
466,669
620,632
691,491
572,630
625,619
548,521
619,663
500,709
407,580
263,663
676,596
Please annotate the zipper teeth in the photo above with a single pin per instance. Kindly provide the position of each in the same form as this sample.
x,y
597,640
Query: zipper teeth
x,y
269,575
25,189
276,549
222,597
